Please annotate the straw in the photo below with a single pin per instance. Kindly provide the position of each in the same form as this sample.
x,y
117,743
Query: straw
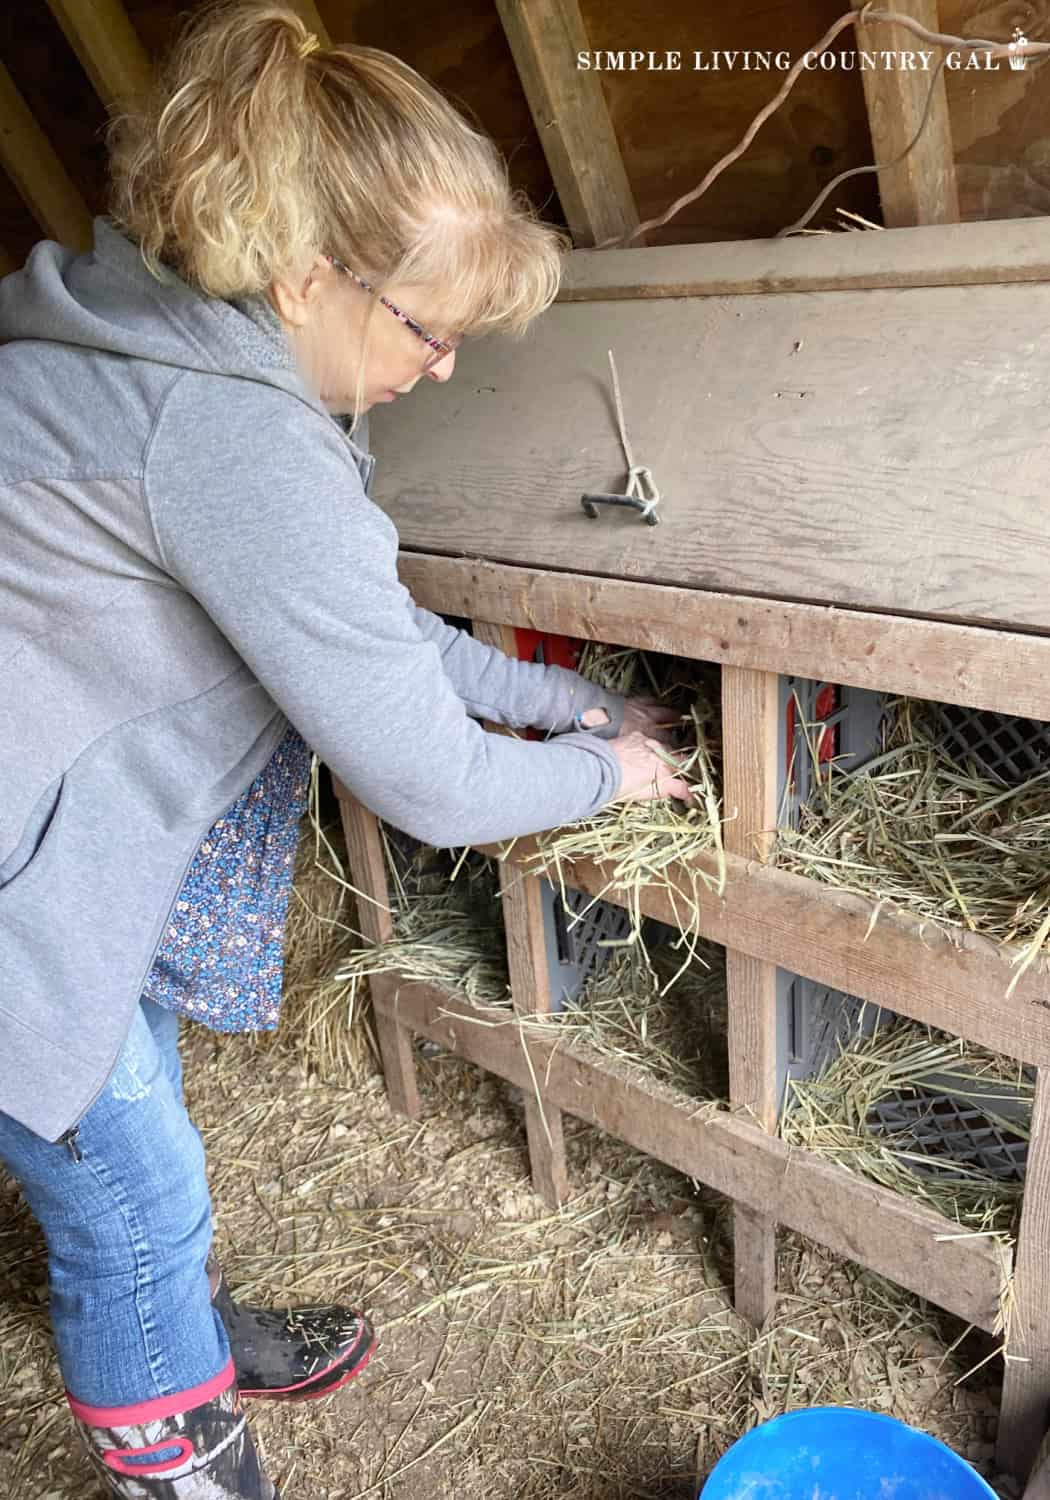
x,y
448,928
917,830
644,844
835,1114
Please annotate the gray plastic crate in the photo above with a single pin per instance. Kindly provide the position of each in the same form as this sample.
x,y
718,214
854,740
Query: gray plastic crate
x,y
952,1123
952,1126
814,1022
1008,748
576,928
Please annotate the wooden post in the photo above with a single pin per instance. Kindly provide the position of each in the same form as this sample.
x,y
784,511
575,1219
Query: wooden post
x,y
368,876
27,157
571,117
1038,1485
530,988
749,718
1025,1412
108,47
922,189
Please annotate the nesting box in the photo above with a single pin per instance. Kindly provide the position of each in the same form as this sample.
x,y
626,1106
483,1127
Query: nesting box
x,y
849,439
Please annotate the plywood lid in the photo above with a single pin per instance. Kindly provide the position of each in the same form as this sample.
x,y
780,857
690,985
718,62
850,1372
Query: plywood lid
x,y
884,449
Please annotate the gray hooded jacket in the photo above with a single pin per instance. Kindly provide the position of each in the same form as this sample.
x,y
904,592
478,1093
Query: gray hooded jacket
x,y
188,562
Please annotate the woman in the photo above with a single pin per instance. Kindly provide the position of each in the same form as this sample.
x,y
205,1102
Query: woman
x,y
190,567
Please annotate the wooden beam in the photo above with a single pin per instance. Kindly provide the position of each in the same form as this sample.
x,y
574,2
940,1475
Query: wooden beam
x,y
1025,1409
107,46
957,984
527,962
1006,671
522,901
857,1219
28,158
368,877
571,117
922,188
1038,1485
996,251
750,702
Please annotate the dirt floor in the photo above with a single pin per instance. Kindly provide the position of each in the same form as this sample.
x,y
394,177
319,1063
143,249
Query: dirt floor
x,y
589,1354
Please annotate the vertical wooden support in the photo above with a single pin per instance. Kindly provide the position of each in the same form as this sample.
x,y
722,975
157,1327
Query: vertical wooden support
x,y
923,188
530,987
107,46
1038,1485
368,876
27,157
749,720
1025,1412
571,117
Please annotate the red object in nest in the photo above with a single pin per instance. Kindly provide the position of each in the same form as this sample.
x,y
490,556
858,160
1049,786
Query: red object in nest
x,y
826,706
551,650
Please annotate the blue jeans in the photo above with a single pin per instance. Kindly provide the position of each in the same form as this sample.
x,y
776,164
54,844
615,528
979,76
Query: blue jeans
x,y
128,1228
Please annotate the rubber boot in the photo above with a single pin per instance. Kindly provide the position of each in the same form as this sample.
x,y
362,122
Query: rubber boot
x,y
299,1354
191,1446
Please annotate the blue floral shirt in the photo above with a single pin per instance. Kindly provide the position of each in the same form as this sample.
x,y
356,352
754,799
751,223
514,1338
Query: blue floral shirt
x,y
221,958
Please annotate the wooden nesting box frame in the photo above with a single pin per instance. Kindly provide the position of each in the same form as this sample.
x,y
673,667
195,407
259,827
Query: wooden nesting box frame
x,y
766,917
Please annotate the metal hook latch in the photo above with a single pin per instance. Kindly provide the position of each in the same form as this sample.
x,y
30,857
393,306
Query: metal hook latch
x,y
642,495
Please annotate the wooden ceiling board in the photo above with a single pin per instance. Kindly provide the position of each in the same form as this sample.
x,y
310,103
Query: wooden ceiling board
x,y
673,125
875,449
1000,121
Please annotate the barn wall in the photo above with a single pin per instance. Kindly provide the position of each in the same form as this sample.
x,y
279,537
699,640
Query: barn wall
x,y
671,126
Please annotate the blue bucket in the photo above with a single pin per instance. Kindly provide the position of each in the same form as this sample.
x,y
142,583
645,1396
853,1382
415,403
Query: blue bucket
x,y
841,1453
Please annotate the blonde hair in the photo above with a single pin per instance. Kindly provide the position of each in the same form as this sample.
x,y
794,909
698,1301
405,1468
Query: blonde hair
x,y
259,149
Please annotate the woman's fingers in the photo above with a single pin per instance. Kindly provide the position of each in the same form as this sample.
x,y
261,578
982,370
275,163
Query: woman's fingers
x,y
647,771
647,716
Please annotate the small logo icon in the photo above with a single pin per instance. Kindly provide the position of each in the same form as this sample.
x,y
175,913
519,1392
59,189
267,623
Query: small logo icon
x,y
1018,59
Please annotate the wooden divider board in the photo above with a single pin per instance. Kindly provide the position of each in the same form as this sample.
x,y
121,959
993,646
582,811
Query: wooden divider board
x,y
1002,670
1025,1407
750,705
876,449
996,251
828,935
368,875
530,988
869,1224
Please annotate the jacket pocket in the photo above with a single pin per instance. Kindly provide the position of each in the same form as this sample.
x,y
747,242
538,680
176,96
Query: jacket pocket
x,y
39,827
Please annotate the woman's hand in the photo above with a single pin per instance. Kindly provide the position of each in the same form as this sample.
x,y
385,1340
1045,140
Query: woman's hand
x,y
650,717
645,772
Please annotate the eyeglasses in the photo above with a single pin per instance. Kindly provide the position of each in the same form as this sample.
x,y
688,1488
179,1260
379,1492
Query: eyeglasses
x,y
440,348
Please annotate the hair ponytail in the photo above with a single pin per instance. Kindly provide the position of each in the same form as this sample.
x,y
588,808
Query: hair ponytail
x,y
258,149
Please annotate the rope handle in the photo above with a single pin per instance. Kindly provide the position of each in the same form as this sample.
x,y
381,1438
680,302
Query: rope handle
x,y
642,493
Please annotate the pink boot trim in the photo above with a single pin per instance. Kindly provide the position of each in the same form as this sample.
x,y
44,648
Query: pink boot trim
x,y
156,1410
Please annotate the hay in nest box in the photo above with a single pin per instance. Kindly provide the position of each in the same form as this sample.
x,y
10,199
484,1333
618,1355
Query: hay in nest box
x,y
641,844
448,927
655,1016
917,830
838,1115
